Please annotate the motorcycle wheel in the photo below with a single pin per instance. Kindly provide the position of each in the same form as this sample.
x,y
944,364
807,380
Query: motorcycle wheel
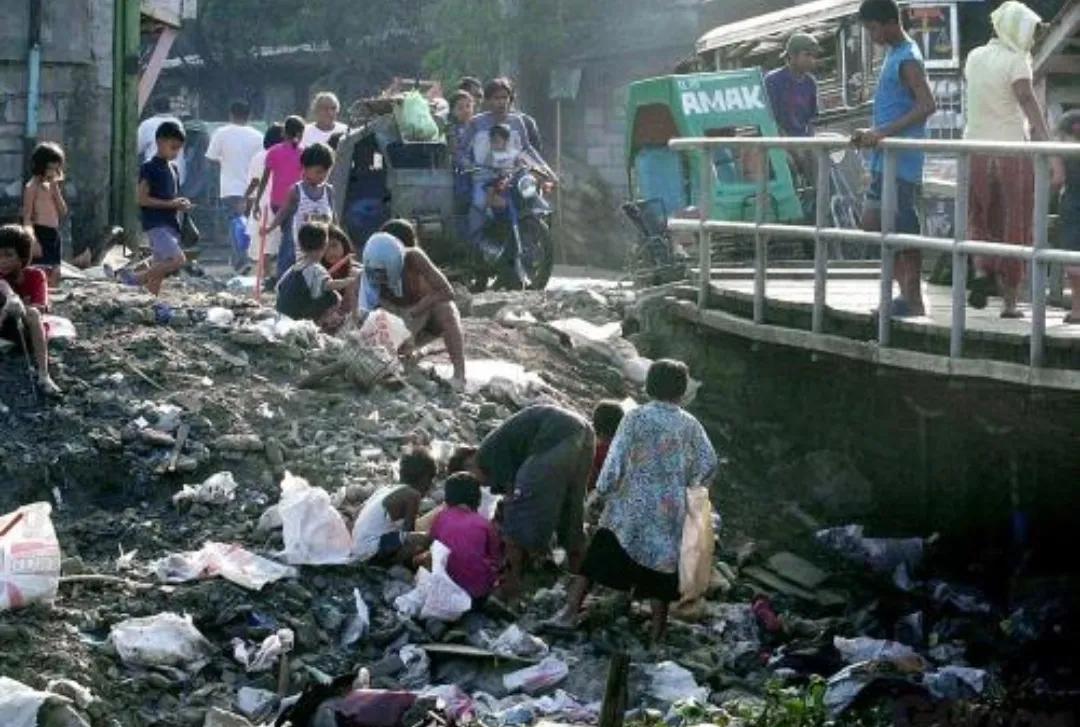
x,y
538,252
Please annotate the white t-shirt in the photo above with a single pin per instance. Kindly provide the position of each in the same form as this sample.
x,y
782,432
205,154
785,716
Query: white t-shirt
x,y
233,147
993,111
314,135
273,241
372,523
147,141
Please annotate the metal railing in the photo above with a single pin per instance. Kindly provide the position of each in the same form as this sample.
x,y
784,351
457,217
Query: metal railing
x,y
1038,254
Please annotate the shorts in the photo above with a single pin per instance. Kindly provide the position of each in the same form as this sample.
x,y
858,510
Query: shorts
x,y
608,564
164,243
49,240
907,195
9,331
549,495
389,545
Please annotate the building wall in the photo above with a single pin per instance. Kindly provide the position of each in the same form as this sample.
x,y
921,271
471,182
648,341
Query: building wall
x,y
76,101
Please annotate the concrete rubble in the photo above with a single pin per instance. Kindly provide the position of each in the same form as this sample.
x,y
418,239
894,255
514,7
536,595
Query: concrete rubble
x,y
185,467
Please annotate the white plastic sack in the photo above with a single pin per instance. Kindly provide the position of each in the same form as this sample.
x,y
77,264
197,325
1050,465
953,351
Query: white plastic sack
x,y
698,545
537,678
218,316
435,596
217,489
29,557
272,648
384,330
669,683
231,562
166,639
314,532
20,704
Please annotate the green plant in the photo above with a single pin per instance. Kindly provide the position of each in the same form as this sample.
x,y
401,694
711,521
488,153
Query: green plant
x,y
793,706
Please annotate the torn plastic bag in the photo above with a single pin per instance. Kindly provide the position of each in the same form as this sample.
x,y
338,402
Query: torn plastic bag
x,y
669,683
516,642
698,545
359,623
166,640
23,706
539,678
272,648
314,532
29,557
231,562
384,330
417,663
863,648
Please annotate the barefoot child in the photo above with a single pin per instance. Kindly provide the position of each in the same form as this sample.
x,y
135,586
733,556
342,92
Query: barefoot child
x,y
385,530
24,298
44,207
475,546
306,291
161,203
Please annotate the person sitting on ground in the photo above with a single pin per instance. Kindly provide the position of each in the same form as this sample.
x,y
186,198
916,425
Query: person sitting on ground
x,y
306,291
606,419
540,459
44,207
340,261
659,452
403,281
474,543
403,230
384,533
161,203
1069,129
24,299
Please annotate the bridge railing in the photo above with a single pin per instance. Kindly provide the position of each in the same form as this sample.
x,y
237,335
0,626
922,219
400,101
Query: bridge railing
x,y
1038,255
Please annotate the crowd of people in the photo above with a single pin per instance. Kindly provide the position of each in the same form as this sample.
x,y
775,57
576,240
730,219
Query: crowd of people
x,y
1001,105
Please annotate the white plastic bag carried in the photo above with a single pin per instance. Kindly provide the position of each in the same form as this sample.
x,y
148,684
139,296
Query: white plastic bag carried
x,y
698,545
435,596
385,330
29,557
314,532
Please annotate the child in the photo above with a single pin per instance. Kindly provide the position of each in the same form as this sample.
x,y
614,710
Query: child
x,y
1069,126
311,199
44,206
24,297
306,291
606,419
340,262
403,230
475,545
283,170
384,531
160,200
503,158
274,135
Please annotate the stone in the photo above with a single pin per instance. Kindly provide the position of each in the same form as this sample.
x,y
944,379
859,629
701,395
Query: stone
x,y
239,443
797,570
220,718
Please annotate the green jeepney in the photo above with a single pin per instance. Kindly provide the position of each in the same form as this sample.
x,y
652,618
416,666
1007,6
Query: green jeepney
x,y
723,104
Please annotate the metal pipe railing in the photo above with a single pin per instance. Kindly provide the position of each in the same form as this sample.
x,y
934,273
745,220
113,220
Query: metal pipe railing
x,y
1039,256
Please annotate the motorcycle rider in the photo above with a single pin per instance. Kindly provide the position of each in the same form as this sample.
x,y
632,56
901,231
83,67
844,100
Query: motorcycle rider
x,y
499,94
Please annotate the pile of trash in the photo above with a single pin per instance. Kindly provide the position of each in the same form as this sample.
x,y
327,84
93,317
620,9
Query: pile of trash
x,y
176,548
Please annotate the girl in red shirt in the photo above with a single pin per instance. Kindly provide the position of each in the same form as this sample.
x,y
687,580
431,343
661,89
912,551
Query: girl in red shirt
x,y
24,298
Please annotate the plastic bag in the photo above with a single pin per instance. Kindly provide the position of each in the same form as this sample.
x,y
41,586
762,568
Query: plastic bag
x,y
414,119
217,489
698,545
385,330
516,642
272,648
166,639
537,678
231,562
29,557
359,624
241,239
20,704
863,648
254,231
314,532
669,682
435,596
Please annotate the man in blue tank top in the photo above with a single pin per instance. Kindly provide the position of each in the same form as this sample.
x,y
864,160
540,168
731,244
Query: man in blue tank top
x,y
902,104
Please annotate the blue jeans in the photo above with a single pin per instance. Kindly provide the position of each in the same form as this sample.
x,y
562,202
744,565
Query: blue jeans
x,y
478,214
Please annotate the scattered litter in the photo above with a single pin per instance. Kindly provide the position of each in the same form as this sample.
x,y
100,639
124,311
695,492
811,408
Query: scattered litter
x,y
314,532
164,640
458,706
385,331
231,562
217,489
257,704
539,678
880,554
20,704
963,598
669,682
417,663
359,623
955,682
59,328
218,316
272,648
516,642
863,648
29,557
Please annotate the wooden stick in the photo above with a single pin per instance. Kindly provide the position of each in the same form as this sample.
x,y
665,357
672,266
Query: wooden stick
x,y
613,709
181,439
142,375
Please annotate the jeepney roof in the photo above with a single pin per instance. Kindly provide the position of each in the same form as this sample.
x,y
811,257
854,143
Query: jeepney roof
x,y
802,18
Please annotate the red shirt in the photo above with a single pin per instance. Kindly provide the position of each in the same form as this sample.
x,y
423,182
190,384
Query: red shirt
x,y
32,286
602,447
475,549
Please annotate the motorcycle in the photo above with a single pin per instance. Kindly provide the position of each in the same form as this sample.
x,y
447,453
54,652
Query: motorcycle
x,y
522,253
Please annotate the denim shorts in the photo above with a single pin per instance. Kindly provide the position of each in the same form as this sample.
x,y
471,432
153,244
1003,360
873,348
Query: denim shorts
x,y
907,195
164,243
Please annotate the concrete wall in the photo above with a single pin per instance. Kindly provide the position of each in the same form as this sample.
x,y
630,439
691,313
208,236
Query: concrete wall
x,y
76,101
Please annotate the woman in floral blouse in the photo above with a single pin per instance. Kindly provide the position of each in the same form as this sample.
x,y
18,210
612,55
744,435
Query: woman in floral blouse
x,y
659,451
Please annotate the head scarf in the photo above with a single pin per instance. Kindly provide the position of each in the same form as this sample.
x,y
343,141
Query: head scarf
x,y
1015,25
385,253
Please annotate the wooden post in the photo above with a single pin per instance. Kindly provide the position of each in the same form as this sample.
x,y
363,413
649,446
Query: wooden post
x,y
613,710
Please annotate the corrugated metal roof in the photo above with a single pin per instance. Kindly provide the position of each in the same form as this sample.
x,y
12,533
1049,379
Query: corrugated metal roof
x,y
781,21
